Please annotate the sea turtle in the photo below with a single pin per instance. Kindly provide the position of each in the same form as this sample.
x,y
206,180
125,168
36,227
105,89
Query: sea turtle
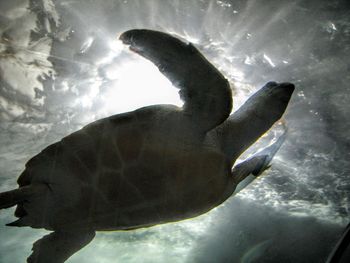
x,y
154,165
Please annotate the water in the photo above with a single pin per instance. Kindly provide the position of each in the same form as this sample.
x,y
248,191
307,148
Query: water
x,y
62,67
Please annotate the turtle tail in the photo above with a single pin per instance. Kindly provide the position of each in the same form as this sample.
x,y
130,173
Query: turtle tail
x,y
13,197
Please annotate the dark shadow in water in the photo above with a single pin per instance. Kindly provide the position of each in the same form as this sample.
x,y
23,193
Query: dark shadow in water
x,y
257,233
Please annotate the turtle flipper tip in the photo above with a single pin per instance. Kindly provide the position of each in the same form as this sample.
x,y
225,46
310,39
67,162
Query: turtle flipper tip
x,y
269,152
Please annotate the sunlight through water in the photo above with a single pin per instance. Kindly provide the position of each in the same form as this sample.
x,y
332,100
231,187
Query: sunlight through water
x,y
62,67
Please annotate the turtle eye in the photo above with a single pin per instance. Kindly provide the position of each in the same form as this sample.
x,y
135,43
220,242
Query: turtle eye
x,y
127,38
271,84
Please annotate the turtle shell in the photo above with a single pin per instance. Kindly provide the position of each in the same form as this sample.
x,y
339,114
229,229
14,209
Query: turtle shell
x,y
124,172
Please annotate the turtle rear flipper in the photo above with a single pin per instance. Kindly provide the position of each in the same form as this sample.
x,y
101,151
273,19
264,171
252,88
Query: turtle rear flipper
x,y
58,246
205,91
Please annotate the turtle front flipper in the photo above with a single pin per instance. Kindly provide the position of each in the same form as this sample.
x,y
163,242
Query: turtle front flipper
x,y
206,93
247,171
254,118
58,246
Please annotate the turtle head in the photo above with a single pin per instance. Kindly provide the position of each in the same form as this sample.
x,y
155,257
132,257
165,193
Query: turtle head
x,y
275,97
280,91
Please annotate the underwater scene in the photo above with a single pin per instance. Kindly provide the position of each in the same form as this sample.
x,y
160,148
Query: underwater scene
x,y
64,65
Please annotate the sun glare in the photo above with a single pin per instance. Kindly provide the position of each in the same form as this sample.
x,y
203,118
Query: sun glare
x,y
137,83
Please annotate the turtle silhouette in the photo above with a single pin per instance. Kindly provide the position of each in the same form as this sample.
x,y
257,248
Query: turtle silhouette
x,y
154,165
